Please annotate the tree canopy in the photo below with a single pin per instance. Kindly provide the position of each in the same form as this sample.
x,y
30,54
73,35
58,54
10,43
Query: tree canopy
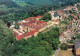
x,y
6,40
46,17
42,45
64,46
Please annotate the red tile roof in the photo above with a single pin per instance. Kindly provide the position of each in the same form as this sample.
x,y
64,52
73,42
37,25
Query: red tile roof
x,y
68,8
26,34
59,11
19,23
63,34
32,23
57,21
78,14
33,18
15,34
73,15
20,37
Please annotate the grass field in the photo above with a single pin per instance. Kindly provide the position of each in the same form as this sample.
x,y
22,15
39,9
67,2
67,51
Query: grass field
x,y
65,53
22,3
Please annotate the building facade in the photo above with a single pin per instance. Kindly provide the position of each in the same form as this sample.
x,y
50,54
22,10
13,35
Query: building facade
x,y
29,27
77,47
55,16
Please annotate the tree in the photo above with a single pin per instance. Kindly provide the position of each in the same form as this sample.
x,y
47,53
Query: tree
x,y
70,11
55,43
11,17
78,36
16,26
39,51
46,17
64,46
6,40
70,41
42,45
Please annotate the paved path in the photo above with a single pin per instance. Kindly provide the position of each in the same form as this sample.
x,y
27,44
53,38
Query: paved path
x,y
57,51
53,23
69,35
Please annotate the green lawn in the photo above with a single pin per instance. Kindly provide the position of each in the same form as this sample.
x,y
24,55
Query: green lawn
x,y
22,3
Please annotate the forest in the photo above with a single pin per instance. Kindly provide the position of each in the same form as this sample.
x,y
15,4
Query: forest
x,y
42,45
10,10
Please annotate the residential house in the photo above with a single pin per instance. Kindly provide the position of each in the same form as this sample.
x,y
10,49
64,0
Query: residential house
x,y
75,9
55,16
62,37
69,8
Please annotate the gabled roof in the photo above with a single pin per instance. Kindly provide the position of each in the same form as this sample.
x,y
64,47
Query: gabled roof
x,y
77,43
57,21
73,15
26,34
15,34
32,23
59,11
33,18
69,8
19,37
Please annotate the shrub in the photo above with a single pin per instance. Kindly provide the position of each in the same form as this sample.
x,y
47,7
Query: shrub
x,y
64,46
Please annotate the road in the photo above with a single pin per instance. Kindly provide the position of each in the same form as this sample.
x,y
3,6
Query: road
x,y
57,51
69,35
48,26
